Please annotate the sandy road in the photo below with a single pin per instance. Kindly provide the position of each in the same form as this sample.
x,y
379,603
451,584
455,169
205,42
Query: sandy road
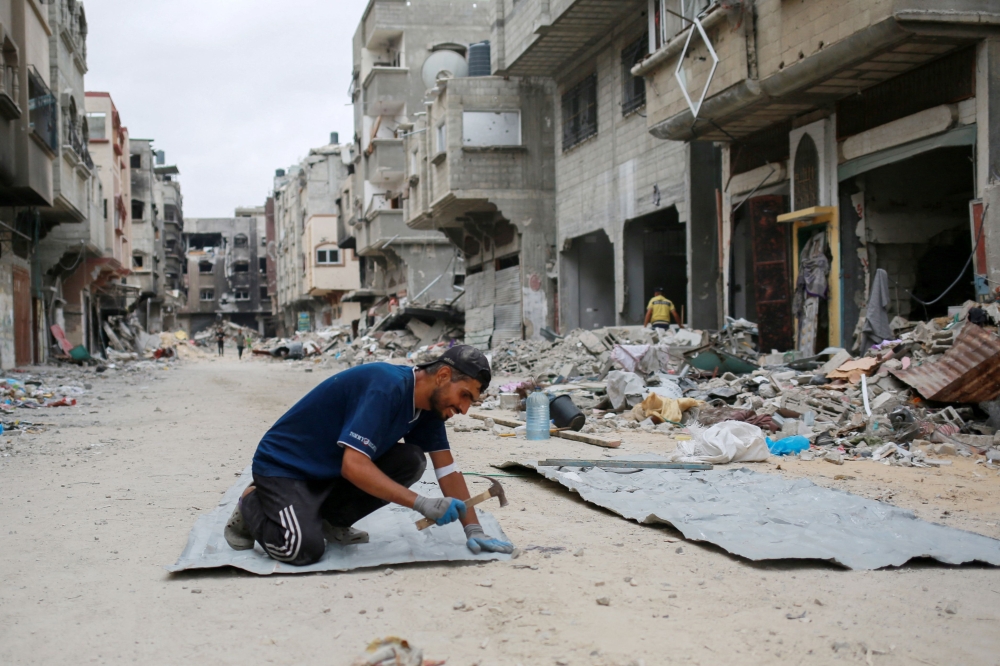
x,y
85,532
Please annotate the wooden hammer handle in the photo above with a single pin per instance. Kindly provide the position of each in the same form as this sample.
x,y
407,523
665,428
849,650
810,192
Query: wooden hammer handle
x,y
424,523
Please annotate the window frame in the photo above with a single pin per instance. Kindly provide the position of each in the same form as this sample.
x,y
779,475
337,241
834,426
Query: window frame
x,y
210,291
633,87
328,250
579,112
237,292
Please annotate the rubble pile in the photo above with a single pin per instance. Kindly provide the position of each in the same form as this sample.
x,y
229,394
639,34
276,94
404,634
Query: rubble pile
x,y
30,393
931,392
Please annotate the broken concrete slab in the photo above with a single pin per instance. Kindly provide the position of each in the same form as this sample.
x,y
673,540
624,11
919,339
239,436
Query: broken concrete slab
x,y
394,540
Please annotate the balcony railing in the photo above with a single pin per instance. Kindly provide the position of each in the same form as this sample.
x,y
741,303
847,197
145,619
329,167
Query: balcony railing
x,y
42,110
75,141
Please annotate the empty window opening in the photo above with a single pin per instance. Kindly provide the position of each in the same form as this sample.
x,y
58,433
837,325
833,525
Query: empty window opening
x,y
135,161
263,294
242,295
137,261
262,265
241,267
508,262
240,240
206,267
138,208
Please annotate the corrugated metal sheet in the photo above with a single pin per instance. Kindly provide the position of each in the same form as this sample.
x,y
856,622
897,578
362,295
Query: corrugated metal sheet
x,y
479,326
968,372
507,322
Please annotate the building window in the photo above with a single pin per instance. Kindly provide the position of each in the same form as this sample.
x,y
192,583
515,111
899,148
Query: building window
x,y
96,124
207,294
242,295
137,261
42,110
263,294
138,208
442,138
579,112
241,267
262,265
240,240
135,161
633,87
205,267
491,128
328,256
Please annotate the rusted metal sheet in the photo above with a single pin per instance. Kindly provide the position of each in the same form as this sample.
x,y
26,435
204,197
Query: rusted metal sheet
x,y
968,372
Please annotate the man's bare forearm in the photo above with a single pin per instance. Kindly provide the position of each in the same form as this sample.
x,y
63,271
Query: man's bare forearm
x,y
362,472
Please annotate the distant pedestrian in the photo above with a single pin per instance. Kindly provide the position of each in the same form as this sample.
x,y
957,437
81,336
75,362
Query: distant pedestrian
x,y
660,310
220,338
240,343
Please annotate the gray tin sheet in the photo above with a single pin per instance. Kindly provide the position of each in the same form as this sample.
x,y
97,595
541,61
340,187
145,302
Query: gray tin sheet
x,y
394,540
768,517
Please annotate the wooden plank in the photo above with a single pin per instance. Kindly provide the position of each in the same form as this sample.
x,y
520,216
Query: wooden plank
x,y
565,434
621,464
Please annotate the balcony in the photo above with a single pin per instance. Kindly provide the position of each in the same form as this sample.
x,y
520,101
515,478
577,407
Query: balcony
x,y
385,91
386,228
387,162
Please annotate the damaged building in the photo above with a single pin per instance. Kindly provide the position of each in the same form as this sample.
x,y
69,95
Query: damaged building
x,y
222,270
313,271
855,136
633,213
397,47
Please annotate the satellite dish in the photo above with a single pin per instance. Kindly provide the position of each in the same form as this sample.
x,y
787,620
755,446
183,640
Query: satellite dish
x,y
448,63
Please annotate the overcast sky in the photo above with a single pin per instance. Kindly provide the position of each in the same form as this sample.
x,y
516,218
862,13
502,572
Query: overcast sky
x,y
230,89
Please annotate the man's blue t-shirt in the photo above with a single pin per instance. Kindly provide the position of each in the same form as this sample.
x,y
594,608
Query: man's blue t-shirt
x,y
368,408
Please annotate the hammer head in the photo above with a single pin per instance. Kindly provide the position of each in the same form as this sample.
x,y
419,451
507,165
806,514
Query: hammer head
x,y
496,490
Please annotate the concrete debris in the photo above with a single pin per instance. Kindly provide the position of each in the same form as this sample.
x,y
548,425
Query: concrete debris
x,y
633,378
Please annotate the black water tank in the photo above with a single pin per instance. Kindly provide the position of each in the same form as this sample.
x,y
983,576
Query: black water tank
x,y
278,173
479,59
334,138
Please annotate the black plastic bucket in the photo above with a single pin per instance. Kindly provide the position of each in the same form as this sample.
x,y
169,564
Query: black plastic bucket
x,y
565,414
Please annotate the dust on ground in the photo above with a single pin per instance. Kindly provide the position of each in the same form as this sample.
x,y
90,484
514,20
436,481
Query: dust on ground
x,y
95,505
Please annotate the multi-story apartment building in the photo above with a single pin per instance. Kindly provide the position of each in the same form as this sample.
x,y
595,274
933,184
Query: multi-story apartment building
x,y
147,234
398,47
480,169
856,135
633,213
109,147
29,148
313,272
224,282
170,204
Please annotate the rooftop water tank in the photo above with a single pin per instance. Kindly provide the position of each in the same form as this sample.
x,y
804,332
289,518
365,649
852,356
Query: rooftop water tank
x,y
479,59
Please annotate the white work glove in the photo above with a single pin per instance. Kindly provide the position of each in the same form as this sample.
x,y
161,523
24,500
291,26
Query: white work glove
x,y
442,510
478,541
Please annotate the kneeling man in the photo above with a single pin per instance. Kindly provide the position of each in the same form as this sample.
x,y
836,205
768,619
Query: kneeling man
x,y
336,457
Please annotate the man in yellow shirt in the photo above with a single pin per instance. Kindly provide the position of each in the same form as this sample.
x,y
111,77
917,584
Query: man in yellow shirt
x,y
660,310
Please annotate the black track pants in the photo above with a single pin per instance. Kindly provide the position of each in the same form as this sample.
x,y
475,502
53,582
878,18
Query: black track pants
x,y
286,516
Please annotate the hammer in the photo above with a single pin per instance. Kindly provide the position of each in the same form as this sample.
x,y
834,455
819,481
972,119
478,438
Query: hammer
x,y
496,490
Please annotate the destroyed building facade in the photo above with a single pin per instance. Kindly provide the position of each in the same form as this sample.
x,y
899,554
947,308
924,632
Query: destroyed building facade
x,y
396,47
222,268
632,213
480,169
854,136
147,235
313,271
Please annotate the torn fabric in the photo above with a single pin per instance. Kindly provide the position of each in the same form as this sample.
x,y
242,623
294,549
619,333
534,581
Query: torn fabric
x,y
768,517
394,540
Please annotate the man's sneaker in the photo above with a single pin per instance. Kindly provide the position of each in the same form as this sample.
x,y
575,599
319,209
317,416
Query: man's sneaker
x,y
237,533
345,536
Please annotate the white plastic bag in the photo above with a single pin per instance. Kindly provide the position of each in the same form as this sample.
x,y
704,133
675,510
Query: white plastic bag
x,y
728,441
625,387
